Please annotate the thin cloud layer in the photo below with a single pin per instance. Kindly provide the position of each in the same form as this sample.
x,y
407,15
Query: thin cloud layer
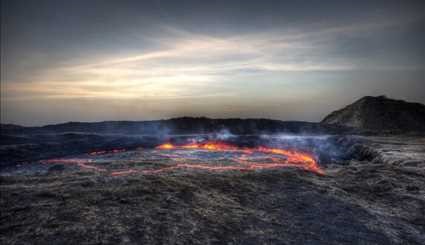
x,y
188,64
253,72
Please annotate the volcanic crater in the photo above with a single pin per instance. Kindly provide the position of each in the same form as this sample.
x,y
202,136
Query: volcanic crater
x,y
228,181
199,153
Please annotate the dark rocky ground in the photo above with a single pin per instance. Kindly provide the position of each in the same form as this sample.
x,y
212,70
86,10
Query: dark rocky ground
x,y
375,194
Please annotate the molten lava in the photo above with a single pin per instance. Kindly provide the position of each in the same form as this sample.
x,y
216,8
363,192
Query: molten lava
x,y
102,152
292,158
166,146
186,156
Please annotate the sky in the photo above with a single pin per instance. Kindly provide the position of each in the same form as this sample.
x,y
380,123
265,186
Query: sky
x,y
103,60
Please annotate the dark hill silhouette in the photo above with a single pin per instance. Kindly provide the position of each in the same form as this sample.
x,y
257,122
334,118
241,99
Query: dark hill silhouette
x,y
366,115
181,125
380,114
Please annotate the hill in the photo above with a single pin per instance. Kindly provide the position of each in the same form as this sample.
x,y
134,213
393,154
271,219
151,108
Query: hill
x,y
182,125
380,114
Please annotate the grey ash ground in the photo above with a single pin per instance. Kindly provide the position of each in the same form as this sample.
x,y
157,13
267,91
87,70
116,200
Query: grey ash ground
x,y
374,194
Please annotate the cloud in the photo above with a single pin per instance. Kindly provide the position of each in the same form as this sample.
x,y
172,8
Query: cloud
x,y
186,64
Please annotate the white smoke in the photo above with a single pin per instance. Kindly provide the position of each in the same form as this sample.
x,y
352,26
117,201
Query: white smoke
x,y
223,134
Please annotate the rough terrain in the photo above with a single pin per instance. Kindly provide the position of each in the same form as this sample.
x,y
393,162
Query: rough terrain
x,y
380,114
375,194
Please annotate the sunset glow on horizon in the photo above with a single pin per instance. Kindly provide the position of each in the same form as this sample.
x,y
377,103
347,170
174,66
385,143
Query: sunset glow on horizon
x,y
156,65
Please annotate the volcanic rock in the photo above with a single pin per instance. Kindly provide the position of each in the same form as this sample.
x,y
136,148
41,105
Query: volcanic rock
x,y
380,114
376,201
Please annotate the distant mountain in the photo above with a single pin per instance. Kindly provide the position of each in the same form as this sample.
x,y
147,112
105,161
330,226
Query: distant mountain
x,y
366,115
380,114
9,126
183,125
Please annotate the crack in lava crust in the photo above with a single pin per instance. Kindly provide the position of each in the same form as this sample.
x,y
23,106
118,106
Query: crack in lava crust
x,y
293,158
244,158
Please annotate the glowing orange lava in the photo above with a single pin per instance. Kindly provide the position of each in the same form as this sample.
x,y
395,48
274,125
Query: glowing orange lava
x,y
166,146
241,159
95,153
293,158
210,145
